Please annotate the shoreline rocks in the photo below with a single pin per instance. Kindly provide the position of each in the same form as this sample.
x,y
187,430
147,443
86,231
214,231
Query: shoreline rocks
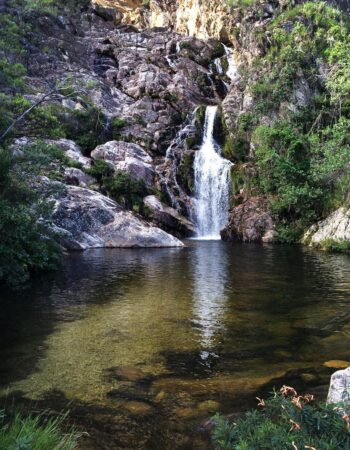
x,y
168,218
335,227
339,388
88,219
250,222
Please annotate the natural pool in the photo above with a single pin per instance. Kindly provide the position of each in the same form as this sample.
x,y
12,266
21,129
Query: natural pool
x,y
142,346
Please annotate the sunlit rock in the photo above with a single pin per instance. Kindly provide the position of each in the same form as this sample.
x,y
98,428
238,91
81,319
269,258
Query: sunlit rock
x,y
91,220
335,227
127,157
339,389
337,364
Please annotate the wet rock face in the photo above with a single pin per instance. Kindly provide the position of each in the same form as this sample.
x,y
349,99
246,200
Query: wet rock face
x,y
250,222
339,389
88,219
168,218
335,227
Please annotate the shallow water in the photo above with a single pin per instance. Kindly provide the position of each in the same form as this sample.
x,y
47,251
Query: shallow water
x,y
143,345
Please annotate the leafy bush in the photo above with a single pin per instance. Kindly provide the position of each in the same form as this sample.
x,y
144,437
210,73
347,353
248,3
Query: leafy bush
x,y
100,170
333,246
126,190
241,3
36,433
27,242
286,421
88,128
303,154
116,125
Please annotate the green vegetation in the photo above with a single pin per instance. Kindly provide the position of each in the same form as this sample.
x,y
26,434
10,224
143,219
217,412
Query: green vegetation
x,y
120,185
303,154
100,170
36,433
241,3
28,243
126,190
333,246
286,421
27,240
185,172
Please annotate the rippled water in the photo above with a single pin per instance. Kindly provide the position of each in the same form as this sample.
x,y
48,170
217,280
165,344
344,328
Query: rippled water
x,y
143,345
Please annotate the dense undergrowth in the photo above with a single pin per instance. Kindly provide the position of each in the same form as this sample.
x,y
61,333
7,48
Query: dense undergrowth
x,y
286,421
299,125
36,433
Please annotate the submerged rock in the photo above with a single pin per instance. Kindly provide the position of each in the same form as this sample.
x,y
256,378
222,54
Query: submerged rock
x,y
250,222
168,218
337,364
138,408
127,373
335,227
339,389
91,220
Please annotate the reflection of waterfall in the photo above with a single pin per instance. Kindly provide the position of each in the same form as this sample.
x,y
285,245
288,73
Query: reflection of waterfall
x,y
212,183
209,297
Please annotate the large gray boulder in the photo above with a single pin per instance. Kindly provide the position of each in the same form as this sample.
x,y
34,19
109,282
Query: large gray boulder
x,y
127,157
335,227
339,388
168,218
88,219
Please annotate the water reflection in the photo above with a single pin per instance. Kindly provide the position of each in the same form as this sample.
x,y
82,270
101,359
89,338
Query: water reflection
x,y
210,272
209,326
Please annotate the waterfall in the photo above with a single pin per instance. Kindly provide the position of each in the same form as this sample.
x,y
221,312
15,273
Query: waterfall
x,y
231,72
212,183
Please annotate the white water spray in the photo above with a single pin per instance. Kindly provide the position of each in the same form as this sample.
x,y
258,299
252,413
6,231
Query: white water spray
x,y
212,183
231,72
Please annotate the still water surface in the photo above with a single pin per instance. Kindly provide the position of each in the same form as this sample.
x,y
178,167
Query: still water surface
x,y
143,345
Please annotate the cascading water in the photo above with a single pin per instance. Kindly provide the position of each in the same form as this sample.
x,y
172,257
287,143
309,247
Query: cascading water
x,y
212,183
231,72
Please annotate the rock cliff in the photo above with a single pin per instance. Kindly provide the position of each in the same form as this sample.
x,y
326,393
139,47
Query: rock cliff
x,y
141,73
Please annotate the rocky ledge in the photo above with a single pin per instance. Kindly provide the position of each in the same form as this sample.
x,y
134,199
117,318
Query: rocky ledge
x,y
335,227
168,218
88,219
250,222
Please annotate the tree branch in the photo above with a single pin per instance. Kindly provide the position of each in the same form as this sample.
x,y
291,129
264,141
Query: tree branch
x,y
46,97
